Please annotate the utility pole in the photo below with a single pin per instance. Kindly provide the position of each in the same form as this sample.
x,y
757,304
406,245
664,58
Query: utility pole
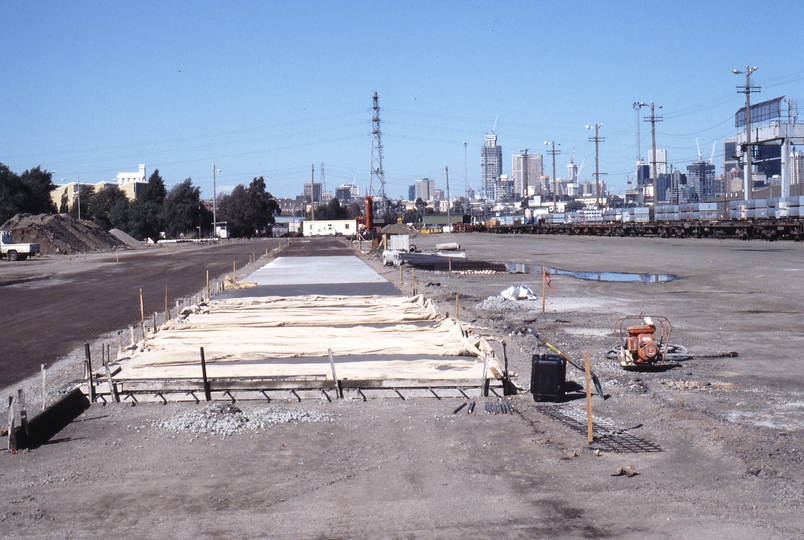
x,y
554,153
653,119
312,193
323,182
446,171
465,172
214,202
596,139
748,185
525,179
640,188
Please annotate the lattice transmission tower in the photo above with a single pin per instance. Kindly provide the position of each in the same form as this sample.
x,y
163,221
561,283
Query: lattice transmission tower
x,y
377,174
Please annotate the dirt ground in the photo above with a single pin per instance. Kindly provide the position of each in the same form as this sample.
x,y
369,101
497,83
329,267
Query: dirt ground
x,y
729,430
55,303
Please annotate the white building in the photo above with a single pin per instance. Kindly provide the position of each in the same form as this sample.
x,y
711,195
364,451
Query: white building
x,y
661,161
128,177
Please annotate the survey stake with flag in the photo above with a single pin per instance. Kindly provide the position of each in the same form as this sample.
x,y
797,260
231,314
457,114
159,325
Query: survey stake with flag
x,y
546,283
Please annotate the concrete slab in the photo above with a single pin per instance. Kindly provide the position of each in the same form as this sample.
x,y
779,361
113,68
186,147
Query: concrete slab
x,y
311,270
325,275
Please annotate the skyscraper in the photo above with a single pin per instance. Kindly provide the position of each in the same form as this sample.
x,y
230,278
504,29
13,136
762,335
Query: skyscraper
x,y
490,166
424,189
701,175
535,170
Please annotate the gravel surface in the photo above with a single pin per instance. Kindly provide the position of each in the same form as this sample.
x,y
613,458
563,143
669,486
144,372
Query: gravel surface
x,y
227,419
729,432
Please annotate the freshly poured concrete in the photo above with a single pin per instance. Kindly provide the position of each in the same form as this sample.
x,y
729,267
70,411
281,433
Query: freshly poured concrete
x,y
298,276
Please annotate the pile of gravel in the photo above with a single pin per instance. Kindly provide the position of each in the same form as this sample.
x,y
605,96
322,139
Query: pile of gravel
x,y
228,419
498,303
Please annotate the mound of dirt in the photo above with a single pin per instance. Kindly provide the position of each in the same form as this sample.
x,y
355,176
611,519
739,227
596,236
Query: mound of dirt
x,y
60,234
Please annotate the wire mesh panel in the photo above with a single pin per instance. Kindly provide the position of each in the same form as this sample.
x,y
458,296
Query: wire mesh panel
x,y
607,436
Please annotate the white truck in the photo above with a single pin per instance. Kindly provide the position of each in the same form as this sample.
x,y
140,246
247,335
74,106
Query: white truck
x,y
15,252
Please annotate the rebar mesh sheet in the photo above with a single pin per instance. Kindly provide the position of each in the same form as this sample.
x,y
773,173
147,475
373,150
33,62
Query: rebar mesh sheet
x,y
607,436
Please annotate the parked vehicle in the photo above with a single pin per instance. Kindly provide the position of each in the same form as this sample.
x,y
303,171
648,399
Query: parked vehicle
x,y
15,252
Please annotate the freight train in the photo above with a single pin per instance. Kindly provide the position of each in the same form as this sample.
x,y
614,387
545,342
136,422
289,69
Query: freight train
x,y
770,219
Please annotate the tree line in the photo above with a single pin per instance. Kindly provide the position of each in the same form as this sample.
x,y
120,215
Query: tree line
x,y
248,211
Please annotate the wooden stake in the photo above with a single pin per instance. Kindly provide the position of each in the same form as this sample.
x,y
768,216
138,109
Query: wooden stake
x,y
44,387
413,280
155,316
12,436
449,263
589,435
338,387
207,391
131,329
112,388
544,286
90,382
23,410
207,284
484,384
167,313
234,272
457,307
142,308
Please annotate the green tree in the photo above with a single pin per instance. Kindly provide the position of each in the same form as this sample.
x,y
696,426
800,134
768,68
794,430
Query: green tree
x,y
332,210
155,191
232,209
411,216
573,206
64,205
354,210
143,220
108,201
249,211
181,211
26,193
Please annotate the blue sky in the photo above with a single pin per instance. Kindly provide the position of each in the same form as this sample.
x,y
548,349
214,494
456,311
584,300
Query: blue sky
x,y
93,88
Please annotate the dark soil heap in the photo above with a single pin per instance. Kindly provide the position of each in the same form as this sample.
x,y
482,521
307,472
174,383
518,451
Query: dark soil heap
x,y
60,234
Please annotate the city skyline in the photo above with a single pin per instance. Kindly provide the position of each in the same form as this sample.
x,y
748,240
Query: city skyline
x,y
269,90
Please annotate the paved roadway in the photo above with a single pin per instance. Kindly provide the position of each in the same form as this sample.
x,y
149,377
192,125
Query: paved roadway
x,y
51,305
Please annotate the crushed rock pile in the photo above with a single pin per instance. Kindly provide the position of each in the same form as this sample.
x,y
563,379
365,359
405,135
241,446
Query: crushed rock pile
x,y
60,234
498,303
129,240
227,419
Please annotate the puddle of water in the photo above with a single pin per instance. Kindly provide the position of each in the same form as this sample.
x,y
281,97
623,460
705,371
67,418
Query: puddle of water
x,y
611,277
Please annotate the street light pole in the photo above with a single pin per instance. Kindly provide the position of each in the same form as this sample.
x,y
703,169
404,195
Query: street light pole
x,y
214,202
554,153
653,119
78,176
747,89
